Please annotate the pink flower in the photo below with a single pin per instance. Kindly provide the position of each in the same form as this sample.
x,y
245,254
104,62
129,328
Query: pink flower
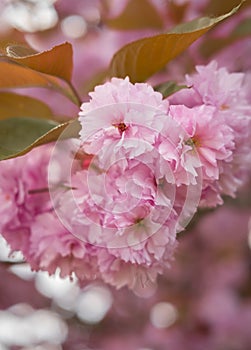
x,y
119,108
133,195
123,213
53,247
213,86
23,195
210,138
121,90
126,121
108,241
137,277
226,134
29,224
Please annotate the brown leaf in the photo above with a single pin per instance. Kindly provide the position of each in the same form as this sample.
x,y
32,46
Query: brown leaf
x,y
138,14
14,75
57,61
142,58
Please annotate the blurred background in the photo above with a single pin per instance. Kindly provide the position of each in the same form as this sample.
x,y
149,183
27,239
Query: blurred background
x,y
204,301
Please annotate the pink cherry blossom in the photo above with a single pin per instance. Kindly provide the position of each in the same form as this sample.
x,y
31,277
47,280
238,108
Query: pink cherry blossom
x,y
210,137
108,241
229,128
28,222
121,90
127,121
53,247
122,214
24,194
134,194
122,110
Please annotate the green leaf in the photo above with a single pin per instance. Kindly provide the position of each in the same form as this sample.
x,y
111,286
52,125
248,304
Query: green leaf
x,y
18,136
138,14
169,88
142,58
14,105
18,133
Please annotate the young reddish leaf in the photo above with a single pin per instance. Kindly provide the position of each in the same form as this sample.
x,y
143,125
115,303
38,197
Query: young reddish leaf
x,y
14,105
14,75
57,61
18,136
142,58
138,14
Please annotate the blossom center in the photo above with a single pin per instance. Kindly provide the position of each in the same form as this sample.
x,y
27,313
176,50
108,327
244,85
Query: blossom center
x,y
193,142
224,107
139,222
121,127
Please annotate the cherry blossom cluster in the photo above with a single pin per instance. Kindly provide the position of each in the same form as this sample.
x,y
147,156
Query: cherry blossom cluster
x,y
109,206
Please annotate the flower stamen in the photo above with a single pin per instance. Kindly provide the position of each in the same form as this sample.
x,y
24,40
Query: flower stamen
x,y
193,142
121,127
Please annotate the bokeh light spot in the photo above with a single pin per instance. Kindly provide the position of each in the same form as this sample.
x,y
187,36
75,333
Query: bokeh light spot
x,y
163,315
